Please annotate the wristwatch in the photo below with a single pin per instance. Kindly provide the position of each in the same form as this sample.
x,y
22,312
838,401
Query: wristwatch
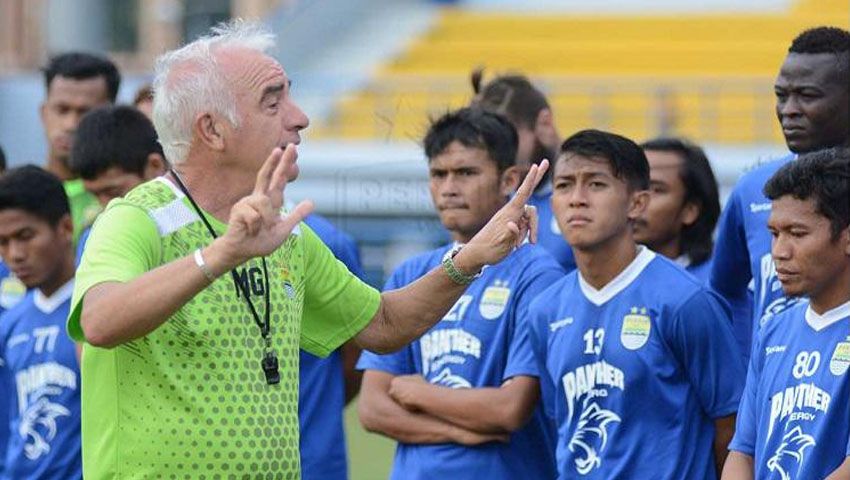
x,y
453,272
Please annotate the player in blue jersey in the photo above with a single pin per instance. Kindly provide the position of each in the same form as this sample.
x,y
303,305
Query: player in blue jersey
x,y
684,205
38,362
813,107
327,385
461,401
640,368
525,106
794,419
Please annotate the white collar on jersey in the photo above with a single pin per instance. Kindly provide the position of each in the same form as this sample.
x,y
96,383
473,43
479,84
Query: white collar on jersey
x,y
51,303
620,282
819,322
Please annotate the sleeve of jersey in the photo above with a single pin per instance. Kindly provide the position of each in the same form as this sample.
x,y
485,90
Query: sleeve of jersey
x,y
124,243
396,363
702,341
730,269
521,359
746,424
337,304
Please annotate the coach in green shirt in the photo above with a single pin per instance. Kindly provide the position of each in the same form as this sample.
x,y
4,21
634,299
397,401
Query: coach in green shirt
x,y
195,291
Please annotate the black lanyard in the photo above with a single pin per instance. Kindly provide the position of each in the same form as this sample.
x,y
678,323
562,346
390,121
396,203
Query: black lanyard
x,y
269,362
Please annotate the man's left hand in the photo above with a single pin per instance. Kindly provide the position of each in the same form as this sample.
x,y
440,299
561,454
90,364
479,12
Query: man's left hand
x,y
404,390
507,229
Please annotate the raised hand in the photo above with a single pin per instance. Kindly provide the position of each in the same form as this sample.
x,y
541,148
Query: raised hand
x,y
256,226
507,229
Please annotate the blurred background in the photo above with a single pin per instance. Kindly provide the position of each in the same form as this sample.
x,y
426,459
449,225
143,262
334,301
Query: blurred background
x,y
370,74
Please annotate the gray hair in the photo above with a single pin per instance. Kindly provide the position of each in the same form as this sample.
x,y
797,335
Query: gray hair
x,y
188,82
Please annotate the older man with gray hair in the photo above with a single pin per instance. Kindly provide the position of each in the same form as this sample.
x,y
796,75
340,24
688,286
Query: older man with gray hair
x,y
196,290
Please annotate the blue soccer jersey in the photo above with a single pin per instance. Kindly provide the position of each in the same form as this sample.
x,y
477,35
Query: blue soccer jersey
x,y
39,362
475,345
742,255
700,270
636,372
321,388
794,418
548,233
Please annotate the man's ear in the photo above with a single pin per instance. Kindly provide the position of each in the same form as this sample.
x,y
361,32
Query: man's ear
x,y
637,203
690,213
65,227
155,166
509,181
845,237
209,130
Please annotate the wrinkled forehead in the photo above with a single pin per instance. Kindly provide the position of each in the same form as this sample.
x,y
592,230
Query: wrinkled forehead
x,y
249,70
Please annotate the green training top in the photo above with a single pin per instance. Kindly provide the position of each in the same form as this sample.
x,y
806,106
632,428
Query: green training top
x,y
84,206
189,399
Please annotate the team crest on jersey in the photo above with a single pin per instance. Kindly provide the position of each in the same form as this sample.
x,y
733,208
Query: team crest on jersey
x,y
636,328
840,358
12,291
494,300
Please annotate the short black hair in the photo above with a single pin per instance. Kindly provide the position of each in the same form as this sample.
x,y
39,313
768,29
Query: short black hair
x,y
513,96
35,191
82,66
823,175
2,160
825,39
626,158
700,188
474,128
113,136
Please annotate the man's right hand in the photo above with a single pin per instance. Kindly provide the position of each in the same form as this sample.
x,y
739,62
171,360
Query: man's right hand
x,y
256,226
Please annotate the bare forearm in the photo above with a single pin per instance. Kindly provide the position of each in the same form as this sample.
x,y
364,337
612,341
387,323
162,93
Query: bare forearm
x,y
114,313
407,313
391,420
738,467
485,410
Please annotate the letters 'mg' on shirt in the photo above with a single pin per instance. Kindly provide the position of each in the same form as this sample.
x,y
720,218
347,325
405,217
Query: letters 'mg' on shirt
x,y
209,351
646,357
478,343
794,419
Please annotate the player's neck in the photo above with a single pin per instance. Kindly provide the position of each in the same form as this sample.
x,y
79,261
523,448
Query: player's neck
x,y
835,294
58,166
215,190
62,276
602,264
671,249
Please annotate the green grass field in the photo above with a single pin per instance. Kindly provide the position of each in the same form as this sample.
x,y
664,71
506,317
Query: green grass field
x,y
369,456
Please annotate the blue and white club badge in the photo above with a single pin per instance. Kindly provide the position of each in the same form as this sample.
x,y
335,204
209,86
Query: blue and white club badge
x,y
12,291
840,358
494,300
636,328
